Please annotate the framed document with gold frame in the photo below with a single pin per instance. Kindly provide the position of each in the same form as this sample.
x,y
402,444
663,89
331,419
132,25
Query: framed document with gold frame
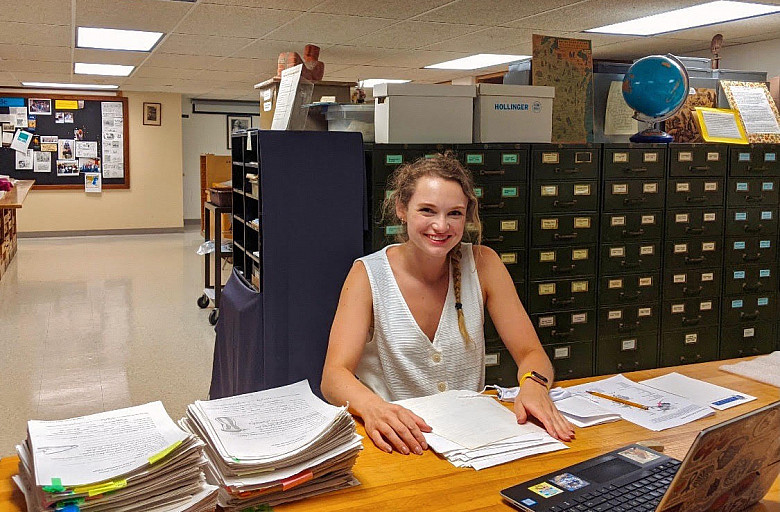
x,y
757,110
720,125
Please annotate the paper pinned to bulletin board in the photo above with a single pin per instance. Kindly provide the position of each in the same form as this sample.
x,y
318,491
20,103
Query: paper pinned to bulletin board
x,y
756,108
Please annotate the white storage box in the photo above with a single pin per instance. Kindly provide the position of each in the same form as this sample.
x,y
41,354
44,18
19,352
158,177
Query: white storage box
x,y
423,113
513,113
352,118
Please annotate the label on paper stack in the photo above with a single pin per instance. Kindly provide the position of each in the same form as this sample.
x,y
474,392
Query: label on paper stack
x,y
275,446
133,459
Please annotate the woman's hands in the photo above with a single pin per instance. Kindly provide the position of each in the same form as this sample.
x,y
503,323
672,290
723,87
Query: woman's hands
x,y
534,400
391,427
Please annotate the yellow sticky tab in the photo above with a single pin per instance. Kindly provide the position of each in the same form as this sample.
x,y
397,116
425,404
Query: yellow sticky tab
x,y
66,104
157,456
94,490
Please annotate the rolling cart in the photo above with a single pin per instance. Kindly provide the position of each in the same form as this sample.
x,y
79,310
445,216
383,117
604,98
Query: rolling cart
x,y
211,293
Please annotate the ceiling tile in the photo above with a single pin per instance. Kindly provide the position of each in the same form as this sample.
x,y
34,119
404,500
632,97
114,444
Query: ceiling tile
x,y
189,44
290,5
50,12
30,52
210,19
8,79
170,60
165,73
236,77
489,12
641,47
321,29
108,56
767,25
416,59
485,41
150,15
413,34
269,49
356,73
35,34
35,66
31,76
399,10
349,54
255,66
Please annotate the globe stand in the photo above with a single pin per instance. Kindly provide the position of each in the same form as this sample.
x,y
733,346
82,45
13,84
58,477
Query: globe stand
x,y
653,135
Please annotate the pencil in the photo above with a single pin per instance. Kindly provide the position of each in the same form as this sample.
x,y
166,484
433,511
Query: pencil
x,y
618,400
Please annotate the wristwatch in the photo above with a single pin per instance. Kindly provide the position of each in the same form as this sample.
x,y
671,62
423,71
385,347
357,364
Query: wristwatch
x,y
536,377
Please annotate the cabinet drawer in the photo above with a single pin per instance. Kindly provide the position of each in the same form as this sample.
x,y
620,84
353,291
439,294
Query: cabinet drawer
x,y
626,353
565,327
743,309
629,257
385,235
515,262
753,191
564,196
634,162
689,346
626,320
566,229
686,313
680,284
501,198
633,195
697,192
554,162
562,294
571,360
504,232
386,159
751,221
759,251
630,289
750,279
695,222
507,162
754,160
491,333
747,340
628,226
697,159
562,262
500,368
699,253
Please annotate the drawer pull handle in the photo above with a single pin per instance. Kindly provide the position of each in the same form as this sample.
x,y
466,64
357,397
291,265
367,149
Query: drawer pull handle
x,y
691,321
565,204
747,257
631,265
494,206
494,239
499,172
628,327
699,168
634,200
563,270
633,296
631,170
562,302
754,199
566,171
756,229
750,168
694,261
638,232
694,231
692,292
751,287
562,334
570,236
748,317
695,199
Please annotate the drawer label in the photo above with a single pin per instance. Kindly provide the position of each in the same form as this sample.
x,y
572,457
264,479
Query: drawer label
x,y
510,158
509,258
765,244
546,256
581,222
394,230
549,190
619,188
546,321
739,274
708,246
579,286
547,289
615,315
763,301
678,308
429,156
680,278
581,190
550,158
646,281
736,303
710,217
766,215
579,318
628,345
708,276
394,159
549,223
645,312
615,252
764,273
615,283
648,219
561,353
685,156
713,156
680,248
744,157
583,157
739,245
767,185
650,157
681,218
620,158
742,187
647,250
509,192
705,306
682,187
475,159
492,359
711,186
770,157
509,225
478,191
617,221
749,332
690,339
579,254
650,188
739,216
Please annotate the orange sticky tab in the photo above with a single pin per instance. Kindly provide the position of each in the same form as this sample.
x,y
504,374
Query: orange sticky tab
x,y
296,480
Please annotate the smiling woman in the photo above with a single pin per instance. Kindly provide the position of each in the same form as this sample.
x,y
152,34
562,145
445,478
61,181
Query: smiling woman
x,y
410,316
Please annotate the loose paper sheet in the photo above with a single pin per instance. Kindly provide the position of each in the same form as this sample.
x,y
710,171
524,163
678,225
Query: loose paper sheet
x,y
753,106
698,391
285,99
21,140
617,118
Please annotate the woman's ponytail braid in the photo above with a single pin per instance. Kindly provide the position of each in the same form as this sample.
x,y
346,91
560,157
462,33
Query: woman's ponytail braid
x,y
455,257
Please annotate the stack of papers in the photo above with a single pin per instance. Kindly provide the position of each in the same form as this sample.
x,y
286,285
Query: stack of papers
x,y
474,430
133,459
275,446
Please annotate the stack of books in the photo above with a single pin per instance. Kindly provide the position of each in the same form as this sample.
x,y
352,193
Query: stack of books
x,y
274,446
134,459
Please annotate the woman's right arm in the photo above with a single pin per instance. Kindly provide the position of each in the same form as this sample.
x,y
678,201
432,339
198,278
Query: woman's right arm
x,y
388,425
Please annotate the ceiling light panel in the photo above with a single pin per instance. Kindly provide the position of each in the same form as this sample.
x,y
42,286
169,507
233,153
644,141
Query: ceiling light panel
x,y
482,60
114,39
52,85
83,68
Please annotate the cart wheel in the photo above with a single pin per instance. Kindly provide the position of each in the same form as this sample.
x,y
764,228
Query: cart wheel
x,y
214,316
203,301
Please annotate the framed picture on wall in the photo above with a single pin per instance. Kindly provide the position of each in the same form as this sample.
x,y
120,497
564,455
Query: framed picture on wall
x,y
152,114
235,123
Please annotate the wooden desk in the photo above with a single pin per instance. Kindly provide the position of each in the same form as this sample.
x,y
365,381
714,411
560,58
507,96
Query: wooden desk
x,y
427,482
9,203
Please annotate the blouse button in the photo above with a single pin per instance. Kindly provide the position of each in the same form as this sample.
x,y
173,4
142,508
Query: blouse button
x,y
442,386
436,357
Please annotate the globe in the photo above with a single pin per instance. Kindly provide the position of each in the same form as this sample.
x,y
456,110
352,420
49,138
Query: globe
x,y
656,87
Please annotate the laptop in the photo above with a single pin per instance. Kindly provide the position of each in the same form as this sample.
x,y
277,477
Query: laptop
x,y
729,467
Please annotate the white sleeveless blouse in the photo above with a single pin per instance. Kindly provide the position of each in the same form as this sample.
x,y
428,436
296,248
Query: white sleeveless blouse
x,y
399,361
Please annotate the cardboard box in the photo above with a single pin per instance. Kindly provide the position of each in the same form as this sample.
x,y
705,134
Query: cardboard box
x,y
423,113
513,113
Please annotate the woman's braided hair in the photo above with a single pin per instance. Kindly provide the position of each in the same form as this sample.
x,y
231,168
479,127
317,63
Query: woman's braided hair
x,y
401,186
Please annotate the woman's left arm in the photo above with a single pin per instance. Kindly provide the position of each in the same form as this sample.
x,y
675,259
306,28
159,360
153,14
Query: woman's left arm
x,y
519,336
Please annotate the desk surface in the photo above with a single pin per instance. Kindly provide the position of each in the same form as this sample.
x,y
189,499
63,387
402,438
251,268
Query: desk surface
x,y
427,482
15,197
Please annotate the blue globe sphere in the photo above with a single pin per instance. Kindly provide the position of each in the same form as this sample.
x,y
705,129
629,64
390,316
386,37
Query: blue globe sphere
x,y
656,87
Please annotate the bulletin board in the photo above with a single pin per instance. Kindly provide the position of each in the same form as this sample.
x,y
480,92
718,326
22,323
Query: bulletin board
x,y
90,134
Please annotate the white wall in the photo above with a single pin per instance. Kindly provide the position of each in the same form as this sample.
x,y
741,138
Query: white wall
x,y
761,56
201,133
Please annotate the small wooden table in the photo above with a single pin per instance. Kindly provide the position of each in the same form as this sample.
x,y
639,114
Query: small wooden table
x,y
9,203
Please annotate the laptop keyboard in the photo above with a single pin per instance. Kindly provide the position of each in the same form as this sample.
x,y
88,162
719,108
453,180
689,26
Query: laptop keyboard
x,y
640,495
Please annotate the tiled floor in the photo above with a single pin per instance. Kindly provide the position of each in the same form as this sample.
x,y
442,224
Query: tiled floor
x,y
89,324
